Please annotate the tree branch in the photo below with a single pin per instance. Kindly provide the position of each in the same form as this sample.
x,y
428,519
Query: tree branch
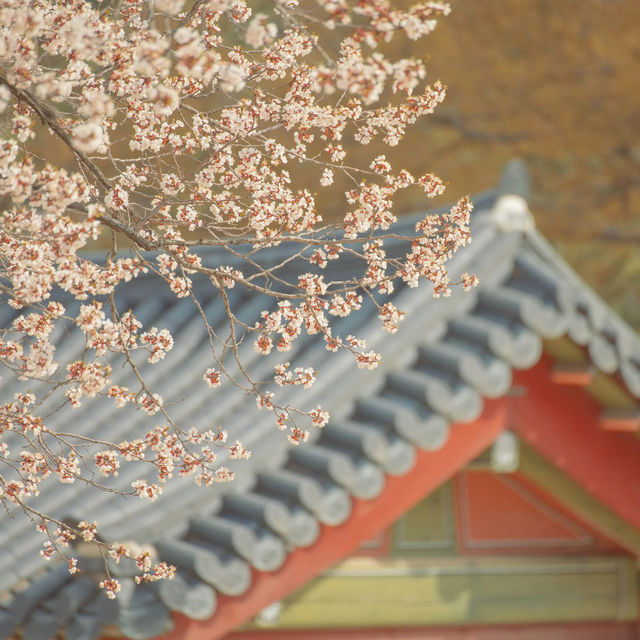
x,y
49,118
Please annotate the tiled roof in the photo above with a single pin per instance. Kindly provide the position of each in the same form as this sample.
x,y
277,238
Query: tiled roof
x,y
448,355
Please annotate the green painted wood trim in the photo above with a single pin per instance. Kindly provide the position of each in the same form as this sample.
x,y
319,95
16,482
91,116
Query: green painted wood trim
x,y
462,591
565,350
609,393
429,526
481,462
548,477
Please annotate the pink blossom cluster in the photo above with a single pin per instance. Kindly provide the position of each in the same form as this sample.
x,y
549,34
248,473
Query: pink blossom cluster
x,y
59,537
284,377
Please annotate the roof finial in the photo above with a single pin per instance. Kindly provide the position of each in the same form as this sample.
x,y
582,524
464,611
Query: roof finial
x,y
511,209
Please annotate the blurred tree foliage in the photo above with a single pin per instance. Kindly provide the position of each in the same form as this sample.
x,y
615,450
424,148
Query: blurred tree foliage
x,y
557,84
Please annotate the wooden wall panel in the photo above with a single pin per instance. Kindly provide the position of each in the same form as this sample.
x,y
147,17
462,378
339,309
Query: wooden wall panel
x,y
429,526
378,593
508,513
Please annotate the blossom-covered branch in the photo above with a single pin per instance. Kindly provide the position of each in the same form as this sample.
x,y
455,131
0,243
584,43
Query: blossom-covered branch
x,y
161,129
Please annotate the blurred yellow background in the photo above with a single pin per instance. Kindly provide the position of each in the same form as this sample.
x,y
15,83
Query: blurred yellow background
x,y
557,83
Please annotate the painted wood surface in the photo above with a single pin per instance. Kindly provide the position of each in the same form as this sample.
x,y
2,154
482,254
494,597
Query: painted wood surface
x,y
394,592
571,631
563,425
582,503
499,513
429,526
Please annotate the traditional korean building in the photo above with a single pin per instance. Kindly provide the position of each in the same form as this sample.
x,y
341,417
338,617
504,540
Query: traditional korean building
x,y
482,483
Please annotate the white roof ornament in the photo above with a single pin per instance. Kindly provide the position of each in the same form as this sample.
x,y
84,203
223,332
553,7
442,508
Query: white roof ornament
x,y
505,453
511,210
270,615
511,213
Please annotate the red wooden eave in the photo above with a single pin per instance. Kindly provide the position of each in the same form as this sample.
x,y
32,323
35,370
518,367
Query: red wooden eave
x,y
367,518
560,422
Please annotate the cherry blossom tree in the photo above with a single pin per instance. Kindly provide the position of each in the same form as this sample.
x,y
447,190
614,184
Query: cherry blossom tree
x,y
189,125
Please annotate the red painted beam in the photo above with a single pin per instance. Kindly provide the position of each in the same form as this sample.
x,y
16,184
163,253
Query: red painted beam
x,y
564,425
575,375
572,631
465,442
620,422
